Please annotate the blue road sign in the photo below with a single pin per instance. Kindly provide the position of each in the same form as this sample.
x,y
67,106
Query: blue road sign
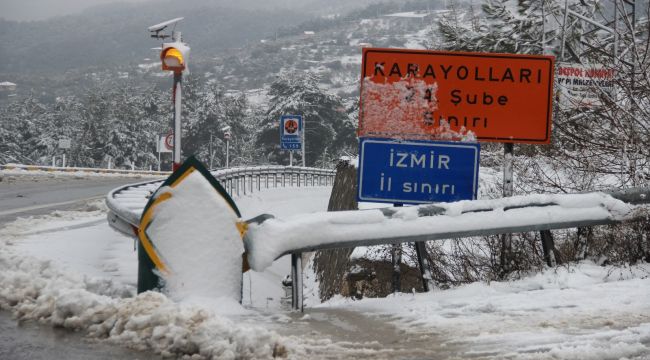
x,y
416,172
291,132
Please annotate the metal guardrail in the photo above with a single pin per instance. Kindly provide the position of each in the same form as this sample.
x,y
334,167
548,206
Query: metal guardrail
x,y
395,225
127,202
268,239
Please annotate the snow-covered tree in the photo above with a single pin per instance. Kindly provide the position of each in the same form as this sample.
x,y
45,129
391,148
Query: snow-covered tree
x,y
207,110
505,26
326,123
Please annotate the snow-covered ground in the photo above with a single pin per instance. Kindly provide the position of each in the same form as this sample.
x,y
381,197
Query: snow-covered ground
x,y
70,269
581,311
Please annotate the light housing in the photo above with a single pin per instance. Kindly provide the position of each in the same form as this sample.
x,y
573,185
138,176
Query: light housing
x,y
174,56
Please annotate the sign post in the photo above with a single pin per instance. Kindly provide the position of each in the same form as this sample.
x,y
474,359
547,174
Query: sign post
x,y
174,57
64,144
291,134
165,144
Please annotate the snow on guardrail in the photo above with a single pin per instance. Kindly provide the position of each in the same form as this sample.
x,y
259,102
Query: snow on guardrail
x,y
273,238
127,202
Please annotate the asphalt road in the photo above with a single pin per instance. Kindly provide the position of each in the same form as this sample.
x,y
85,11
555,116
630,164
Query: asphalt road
x,y
31,341
25,195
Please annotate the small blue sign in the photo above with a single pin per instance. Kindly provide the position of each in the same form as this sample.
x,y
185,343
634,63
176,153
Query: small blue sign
x,y
417,172
291,132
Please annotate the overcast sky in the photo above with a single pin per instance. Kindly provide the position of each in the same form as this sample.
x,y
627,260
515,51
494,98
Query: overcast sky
x,y
43,9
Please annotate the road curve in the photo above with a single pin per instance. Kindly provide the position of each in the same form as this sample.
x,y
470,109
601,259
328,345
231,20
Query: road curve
x,y
26,195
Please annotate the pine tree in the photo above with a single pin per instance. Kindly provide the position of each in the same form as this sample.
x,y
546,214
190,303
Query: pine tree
x,y
207,110
502,26
326,124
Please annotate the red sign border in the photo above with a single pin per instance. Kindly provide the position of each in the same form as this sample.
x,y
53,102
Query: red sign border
x,y
549,114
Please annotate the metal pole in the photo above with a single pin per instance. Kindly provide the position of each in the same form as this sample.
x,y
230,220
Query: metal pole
x,y
290,158
211,152
227,153
304,146
566,15
543,28
508,190
63,164
425,266
296,282
109,161
178,79
615,51
396,260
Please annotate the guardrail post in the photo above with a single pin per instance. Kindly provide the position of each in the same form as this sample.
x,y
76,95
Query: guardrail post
x,y
508,190
296,282
548,245
396,259
425,266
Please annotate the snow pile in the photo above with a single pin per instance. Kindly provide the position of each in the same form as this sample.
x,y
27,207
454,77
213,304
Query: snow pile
x,y
194,233
576,312
38,290
70,269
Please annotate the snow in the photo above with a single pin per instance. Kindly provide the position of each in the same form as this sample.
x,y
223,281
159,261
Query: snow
x,y
351,60
259,287
148,66
61,289
48,171
579,311
267,241
409,14
195,235
70,269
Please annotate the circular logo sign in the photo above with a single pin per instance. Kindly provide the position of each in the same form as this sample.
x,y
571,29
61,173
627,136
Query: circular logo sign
x,y
169,142
290,126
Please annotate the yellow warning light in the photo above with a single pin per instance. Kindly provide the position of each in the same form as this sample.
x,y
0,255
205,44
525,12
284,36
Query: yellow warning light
x,y
174,57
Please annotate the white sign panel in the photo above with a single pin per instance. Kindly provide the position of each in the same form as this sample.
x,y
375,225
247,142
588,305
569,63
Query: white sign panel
x,y
579,85
64,143
163,145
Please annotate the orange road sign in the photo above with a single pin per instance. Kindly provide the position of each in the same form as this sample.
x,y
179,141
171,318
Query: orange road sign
x,y
417,94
